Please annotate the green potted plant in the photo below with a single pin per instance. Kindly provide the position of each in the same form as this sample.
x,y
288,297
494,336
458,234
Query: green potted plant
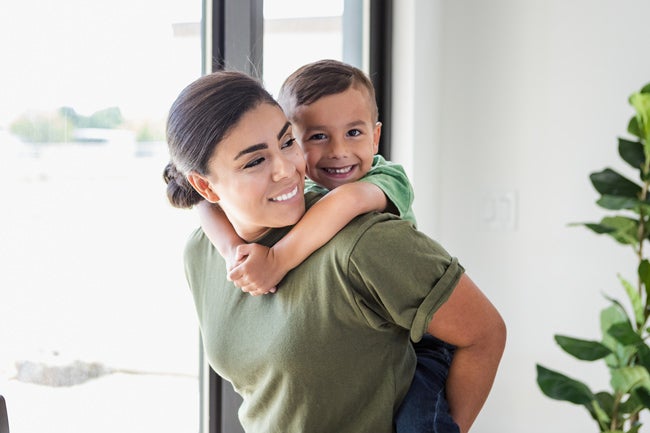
x,y
625,330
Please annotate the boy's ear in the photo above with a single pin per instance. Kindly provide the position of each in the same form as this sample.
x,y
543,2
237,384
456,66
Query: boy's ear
x,y
202,186
376,136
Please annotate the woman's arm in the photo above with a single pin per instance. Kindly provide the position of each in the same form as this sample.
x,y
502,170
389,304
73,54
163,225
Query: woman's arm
x,y
321,222
469,321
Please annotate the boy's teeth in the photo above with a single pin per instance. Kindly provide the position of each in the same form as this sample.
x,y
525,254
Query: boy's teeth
x,y
286,196
339,170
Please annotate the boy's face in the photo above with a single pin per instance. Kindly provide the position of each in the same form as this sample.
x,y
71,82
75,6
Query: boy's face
x,y
339,137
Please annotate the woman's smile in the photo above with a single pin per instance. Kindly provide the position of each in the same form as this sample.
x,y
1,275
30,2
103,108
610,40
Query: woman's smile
x,y
286,196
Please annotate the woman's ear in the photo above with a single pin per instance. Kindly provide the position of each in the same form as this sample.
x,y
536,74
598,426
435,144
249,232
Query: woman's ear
x,y
202,185
376,136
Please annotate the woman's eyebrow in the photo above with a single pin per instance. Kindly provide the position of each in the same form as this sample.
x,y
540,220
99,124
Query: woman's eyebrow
x,y
251,149
284,129
260,146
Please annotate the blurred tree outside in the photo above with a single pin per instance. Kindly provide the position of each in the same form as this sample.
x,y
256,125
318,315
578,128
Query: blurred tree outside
x,y
59,126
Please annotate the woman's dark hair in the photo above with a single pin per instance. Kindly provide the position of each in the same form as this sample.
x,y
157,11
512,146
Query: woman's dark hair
x,y
322,78
203,113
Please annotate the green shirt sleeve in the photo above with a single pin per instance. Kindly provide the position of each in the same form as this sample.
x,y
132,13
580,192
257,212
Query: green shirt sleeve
x,y
311,186
393,181
403,283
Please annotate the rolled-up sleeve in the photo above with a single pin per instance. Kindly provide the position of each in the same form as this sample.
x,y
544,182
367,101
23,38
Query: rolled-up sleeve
x,y
401,276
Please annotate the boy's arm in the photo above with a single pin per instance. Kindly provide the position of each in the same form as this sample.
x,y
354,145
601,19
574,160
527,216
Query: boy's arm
x,y
319,224
391,178
218,229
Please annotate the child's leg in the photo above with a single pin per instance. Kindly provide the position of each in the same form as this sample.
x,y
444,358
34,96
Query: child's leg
x,y
425,408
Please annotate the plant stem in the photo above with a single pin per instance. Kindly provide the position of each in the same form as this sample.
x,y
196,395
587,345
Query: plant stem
x,y
617,401
641,232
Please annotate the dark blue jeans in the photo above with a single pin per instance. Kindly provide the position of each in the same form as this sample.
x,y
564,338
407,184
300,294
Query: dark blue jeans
x,y
425,408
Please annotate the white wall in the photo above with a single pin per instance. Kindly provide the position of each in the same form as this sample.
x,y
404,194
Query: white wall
x,y
502,109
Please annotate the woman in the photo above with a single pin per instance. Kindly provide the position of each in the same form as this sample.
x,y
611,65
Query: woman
x,y
330,350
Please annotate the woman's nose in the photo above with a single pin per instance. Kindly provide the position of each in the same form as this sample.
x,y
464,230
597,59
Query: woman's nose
x,y
283,167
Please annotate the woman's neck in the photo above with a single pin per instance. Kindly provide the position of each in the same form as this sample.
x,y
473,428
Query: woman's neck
x,y
252,237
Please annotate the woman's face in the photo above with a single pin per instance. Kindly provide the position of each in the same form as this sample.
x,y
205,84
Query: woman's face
x,y
257,173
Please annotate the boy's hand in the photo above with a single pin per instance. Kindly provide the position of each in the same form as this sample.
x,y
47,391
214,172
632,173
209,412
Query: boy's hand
x,y
256,271
233,258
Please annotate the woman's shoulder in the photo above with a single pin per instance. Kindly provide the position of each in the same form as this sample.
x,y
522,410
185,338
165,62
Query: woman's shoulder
x,y
385,232
375,229
197,246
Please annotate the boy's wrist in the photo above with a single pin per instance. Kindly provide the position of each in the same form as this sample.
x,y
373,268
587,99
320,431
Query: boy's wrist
x,y
279,260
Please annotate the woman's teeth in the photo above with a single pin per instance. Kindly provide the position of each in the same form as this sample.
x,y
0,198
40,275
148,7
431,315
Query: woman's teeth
x,y
286,196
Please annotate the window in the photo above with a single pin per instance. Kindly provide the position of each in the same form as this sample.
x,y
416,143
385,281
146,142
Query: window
x,y
297,32
98,329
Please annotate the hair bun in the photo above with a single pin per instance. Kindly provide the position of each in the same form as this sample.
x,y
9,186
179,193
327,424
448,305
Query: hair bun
x,y
171,173
179,191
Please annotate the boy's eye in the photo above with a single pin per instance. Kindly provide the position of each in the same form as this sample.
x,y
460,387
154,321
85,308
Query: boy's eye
x,y
254,162
354,132
319,136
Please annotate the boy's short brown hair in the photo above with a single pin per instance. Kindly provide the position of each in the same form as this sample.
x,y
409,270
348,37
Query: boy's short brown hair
x,y
322,78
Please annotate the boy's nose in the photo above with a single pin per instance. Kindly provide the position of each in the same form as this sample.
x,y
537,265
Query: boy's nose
x,y
336,148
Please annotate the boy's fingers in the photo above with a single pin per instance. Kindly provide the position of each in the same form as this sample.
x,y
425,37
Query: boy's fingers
x,y
253,290
236,275
241,252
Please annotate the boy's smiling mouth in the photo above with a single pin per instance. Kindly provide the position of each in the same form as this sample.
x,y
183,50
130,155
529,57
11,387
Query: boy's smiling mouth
x,y
338,170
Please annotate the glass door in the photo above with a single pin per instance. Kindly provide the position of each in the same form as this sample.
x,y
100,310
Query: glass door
x,y
98,331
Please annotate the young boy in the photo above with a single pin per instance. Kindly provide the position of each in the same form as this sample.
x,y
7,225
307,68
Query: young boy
x,y
332,109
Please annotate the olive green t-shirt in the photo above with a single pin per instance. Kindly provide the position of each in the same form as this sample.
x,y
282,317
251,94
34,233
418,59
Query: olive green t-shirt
x,y
330,350
391,178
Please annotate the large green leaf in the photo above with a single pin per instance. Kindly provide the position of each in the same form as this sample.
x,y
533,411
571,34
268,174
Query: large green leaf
x,y
631,152
633,128
604,409
621,353
643,352
617,202
635,300
624,334
625,379
597,228
643,395
582,349
560,387
611,183
641,103
624,229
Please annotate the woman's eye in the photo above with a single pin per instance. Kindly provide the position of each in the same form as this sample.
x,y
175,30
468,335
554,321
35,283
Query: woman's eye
x,y
253,163
288,143
354,132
